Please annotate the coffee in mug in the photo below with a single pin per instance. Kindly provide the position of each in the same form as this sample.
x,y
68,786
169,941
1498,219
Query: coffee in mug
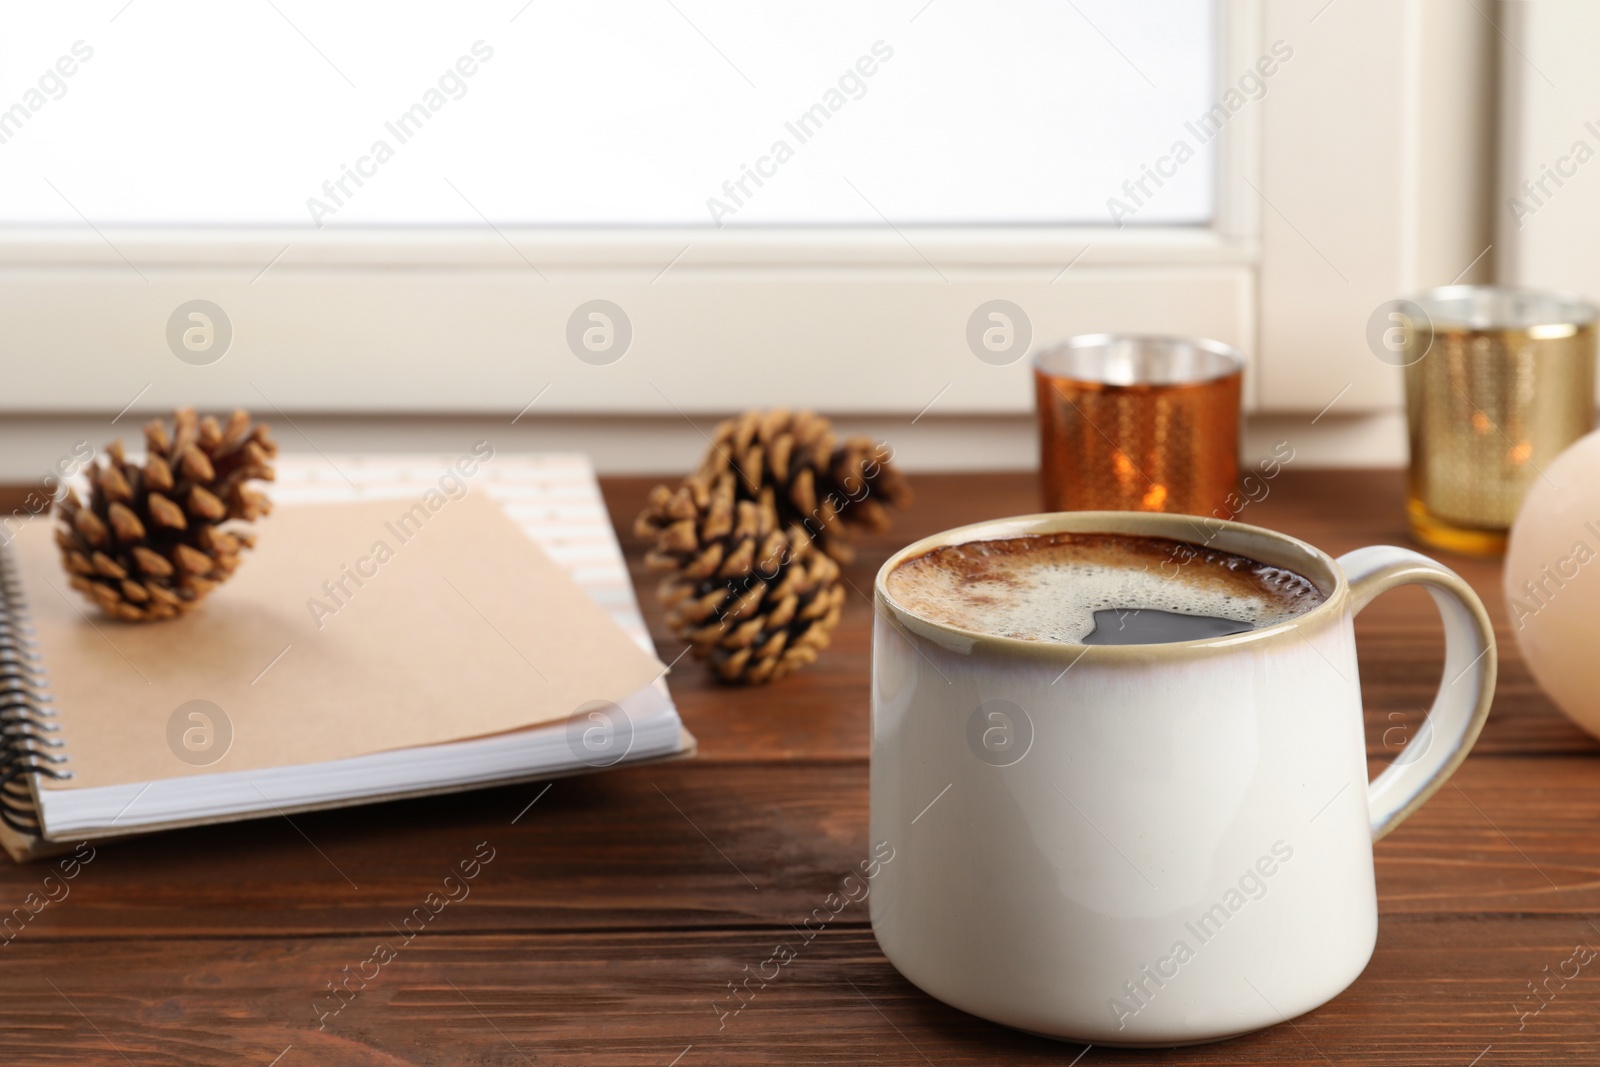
x,y
1098,589
1159,838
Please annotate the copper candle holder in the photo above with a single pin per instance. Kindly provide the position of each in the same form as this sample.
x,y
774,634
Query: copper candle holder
x,y
1131,423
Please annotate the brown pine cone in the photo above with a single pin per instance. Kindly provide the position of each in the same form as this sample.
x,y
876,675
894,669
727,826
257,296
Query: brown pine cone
x,y
822,484
755,601
150,543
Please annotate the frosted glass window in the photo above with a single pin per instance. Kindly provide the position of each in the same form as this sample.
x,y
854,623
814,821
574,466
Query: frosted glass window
x,y
617,113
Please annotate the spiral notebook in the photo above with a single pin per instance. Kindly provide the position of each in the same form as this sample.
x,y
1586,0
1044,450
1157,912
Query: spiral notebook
x,y
395,633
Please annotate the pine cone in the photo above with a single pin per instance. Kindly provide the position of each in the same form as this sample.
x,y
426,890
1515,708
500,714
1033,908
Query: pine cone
x,y
822,484
753,599
150,544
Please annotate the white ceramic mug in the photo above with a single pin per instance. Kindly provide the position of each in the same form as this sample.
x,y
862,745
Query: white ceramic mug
x,y
1149,844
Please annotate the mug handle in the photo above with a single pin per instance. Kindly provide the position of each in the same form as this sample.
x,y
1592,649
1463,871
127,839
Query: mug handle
x,y
1465,690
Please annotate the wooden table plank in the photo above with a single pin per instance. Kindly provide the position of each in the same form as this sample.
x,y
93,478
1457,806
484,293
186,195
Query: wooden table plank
x,y
1436,992
716,847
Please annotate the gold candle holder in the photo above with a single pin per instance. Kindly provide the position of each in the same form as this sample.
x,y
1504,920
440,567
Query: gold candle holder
x,y
1498,382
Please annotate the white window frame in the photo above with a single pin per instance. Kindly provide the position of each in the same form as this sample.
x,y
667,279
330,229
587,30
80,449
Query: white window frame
x,y
869,321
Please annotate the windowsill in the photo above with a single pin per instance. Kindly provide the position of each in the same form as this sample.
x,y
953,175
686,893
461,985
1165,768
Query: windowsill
x,y
685,248
673,444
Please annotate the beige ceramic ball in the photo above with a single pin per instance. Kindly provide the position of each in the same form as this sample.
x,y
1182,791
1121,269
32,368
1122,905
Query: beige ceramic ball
x,y
1552,580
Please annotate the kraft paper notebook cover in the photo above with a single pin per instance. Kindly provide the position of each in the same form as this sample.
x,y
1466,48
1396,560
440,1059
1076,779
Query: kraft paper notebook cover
x,y
364,650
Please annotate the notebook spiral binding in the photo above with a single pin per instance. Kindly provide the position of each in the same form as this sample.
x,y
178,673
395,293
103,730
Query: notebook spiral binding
x,y
28,745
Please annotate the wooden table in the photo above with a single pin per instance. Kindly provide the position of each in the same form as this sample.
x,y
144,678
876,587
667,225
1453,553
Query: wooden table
x,y
616,910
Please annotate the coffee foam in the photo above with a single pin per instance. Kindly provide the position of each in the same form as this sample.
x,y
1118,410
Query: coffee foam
x,y
1047,587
